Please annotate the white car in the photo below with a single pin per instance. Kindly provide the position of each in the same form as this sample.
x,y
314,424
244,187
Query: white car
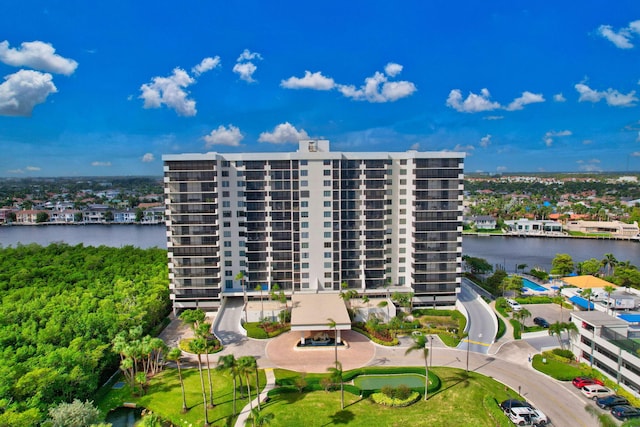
x,y
523,416
594,391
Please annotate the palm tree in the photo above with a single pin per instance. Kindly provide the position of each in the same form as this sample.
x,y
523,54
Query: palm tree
x,y
198,346
586,294
556,329
230,364
523,314
259,288
383,304
420,344
258,419
365,299
336,375
609,290
609,261
333,325
246,366
203,332
174,356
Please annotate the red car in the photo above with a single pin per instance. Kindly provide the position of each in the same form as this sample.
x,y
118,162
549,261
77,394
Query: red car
x,y
580,382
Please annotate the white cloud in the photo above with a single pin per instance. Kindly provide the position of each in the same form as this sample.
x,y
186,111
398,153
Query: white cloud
x,y
245,70
230,136
592,165
246,55
15,171
638,137
170,92
473,104
549,136
501,169
392,69
148,158
635,154
611,96
244,67
525,99
485,141
32,168
38,55
465,148
310,81
559,97
22,91
493,117
377,88
101,164
415,146
207,64
283,133
621,38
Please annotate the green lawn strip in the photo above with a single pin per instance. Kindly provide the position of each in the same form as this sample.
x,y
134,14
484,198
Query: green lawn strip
x,y
472,396
517,328
254,330
164,397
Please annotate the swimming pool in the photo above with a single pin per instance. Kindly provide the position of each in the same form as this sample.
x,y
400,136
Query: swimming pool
x,y
526,283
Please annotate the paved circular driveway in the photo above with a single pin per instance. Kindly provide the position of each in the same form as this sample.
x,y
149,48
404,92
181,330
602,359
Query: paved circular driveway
x,y
283,353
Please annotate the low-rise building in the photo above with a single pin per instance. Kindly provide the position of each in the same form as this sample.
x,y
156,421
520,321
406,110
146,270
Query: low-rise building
x,y
614,228
610,344
533,227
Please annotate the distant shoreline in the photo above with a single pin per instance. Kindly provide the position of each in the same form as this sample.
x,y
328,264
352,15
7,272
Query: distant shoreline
x,y
552,236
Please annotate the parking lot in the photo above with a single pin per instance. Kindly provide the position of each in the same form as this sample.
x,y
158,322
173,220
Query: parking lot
x,y
550,312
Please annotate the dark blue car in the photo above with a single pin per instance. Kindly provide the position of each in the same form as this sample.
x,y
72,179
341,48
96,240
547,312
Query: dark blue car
x,y
624,412
611,401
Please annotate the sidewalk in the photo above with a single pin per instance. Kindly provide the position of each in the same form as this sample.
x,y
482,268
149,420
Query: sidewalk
x,y
246,411
504,339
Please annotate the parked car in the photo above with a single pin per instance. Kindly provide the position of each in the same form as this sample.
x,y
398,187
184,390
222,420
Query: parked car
x,y
514,403
524,416
594,391
580,382
540,322
624,412
515,305
611,401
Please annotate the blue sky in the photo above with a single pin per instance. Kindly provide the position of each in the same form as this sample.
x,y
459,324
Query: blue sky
x,y
107,88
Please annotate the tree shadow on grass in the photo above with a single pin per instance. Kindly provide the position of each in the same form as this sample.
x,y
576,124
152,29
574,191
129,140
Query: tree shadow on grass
x,y
341,417
460,378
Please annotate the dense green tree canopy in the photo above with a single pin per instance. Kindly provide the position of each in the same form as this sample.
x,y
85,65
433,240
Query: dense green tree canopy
x,y
61,308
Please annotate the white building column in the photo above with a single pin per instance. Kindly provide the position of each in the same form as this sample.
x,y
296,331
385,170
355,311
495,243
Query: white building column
x,y
302,337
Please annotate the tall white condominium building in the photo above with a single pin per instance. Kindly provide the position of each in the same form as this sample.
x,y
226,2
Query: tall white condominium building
x,y
312,220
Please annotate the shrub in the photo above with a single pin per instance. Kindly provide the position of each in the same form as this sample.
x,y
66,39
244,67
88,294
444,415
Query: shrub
x,y
382,399
535,299
566,354
388,391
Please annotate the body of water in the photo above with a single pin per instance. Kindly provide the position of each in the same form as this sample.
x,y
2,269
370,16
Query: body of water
x,y
507,252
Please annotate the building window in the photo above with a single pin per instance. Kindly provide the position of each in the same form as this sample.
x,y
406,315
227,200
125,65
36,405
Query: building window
x,y
305,255
226,224
326,183
225,194
303,162
327,234
228,263
239,173
228,284
327,204
327,194
403,161
327,224
304,245
403,171
225,173
304,214
227,244
403,231
226,233
304,204
304,194
226,203
228,273
327,275
403,240
401,269
241,193
327,214
326,172
304,224
327,254
327,244
327,265
403,182
243,253
227,253
305,275
241,243
305,265
304,172
304,183
304,235
226,214
225,184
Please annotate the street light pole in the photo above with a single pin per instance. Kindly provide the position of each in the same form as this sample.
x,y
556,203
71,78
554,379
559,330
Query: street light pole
x,y
430,350
468,345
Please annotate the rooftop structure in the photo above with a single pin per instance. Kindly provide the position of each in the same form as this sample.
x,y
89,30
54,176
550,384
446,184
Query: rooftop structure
x,y
313,220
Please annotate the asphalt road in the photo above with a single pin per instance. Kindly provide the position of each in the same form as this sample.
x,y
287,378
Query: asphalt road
x,y
482,329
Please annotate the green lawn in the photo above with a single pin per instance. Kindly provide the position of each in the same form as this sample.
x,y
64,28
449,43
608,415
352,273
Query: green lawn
x,y
462,400
164,397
